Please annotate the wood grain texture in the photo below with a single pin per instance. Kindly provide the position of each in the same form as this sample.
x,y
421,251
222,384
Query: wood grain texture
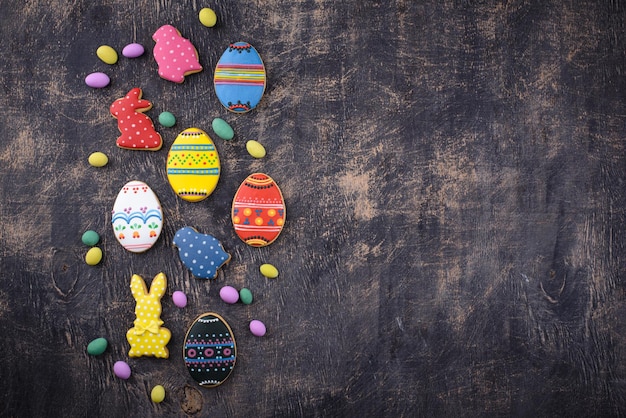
x,y
454,179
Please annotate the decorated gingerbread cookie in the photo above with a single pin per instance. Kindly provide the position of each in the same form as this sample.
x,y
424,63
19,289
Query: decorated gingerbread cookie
x,y
258,211
147,337
240,78
175,55
137,217
193,165
209,350
137,129
203,254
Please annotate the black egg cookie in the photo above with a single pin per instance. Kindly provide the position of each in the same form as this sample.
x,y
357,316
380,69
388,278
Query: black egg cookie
x,y
209,350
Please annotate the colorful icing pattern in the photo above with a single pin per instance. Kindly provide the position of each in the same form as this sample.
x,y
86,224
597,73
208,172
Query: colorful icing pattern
x,y
240,78
193,165
203,254
137,217
175,55
147,337
209,350
258,211
137,129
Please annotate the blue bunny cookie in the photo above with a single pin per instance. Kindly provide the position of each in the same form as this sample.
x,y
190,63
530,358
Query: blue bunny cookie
x,y
203,254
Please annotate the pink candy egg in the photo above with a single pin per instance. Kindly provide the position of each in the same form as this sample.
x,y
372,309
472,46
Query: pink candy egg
x,y
121,369
133,50
180,299
229,294
97,80
257,328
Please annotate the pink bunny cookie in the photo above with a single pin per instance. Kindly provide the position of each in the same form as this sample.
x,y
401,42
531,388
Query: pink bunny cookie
x,y
147,337
175,55
137,129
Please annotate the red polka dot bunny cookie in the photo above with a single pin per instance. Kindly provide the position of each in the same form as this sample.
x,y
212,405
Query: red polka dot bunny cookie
x,y
137,129
147,337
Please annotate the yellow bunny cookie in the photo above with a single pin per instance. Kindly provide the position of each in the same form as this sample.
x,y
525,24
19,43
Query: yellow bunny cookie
x,y
147,337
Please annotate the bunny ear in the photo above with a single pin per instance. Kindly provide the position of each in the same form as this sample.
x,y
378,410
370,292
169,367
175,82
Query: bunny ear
x,y
158,285
142,105
134,94
138,287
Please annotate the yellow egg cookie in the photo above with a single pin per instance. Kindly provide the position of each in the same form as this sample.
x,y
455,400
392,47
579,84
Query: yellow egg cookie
x,y
193,165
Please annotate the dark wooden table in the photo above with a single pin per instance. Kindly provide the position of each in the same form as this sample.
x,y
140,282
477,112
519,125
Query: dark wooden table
x,y
454,179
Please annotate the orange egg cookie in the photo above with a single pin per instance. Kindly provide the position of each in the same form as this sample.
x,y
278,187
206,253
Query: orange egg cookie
x,y
258,211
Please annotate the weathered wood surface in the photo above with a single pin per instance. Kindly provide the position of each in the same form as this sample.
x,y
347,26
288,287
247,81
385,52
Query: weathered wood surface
x,y
454,179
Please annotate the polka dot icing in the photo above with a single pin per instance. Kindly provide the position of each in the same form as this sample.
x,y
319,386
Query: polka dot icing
x,y
137,129
175,55
202,254
147,337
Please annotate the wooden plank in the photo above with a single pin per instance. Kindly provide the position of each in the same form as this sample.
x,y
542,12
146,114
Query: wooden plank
x,y
453,173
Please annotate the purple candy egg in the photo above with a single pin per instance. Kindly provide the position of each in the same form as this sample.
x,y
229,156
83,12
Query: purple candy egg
x,y
180,299
257,328
133,50
97,80
121,369
229,294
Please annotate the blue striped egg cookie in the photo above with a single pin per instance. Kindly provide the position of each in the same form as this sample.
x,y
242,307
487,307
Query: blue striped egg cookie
x,y
240,78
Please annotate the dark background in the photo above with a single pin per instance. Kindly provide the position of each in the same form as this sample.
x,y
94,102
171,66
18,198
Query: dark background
x,y
454,179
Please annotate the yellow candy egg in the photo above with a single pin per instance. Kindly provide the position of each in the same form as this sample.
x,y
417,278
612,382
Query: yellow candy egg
x,y
93,256
255,149
107,54
269,271
208,17
158,394
98,159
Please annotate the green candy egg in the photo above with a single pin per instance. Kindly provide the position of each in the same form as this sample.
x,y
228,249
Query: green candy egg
x,y
222,129
90,238
97,346
167,119
245,295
